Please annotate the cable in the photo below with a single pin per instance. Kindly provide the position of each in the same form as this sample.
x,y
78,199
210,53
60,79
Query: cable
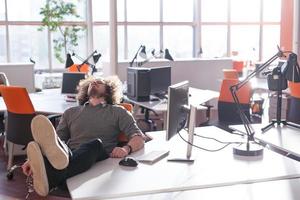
x,y
210,138
209,150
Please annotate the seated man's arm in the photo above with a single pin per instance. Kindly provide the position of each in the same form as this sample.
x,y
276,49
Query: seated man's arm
x,y
135,143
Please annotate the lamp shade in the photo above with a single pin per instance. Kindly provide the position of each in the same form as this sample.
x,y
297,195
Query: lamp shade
x,y
143,53
292,70
96,57
69,61
168,55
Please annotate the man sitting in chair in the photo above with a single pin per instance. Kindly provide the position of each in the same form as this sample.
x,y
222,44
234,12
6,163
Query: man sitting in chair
x,y
91,131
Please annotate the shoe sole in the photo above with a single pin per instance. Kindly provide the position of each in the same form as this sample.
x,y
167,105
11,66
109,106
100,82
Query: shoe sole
x,y
45,135
37,165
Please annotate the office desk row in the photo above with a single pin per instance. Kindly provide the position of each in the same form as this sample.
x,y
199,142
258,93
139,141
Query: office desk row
x,y
209,175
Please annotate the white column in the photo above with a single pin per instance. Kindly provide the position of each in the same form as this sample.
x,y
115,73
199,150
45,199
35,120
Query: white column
x,y
113,30
89,19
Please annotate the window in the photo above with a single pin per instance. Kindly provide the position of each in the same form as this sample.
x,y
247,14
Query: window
x,y
251,27
2,44
27,42
179,41
25,10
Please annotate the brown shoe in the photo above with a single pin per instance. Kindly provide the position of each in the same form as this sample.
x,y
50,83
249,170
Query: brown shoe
x,y
51,146
37,166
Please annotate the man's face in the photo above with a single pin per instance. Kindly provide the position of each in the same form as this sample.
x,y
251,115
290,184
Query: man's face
x,y
96,89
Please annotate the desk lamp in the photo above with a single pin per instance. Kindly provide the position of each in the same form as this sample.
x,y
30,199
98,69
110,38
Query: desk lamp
x,y
250,147
161,54
95,55
141,52
292,73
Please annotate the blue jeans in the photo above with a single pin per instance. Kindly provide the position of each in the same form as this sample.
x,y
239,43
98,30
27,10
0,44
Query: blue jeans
x,y
80,160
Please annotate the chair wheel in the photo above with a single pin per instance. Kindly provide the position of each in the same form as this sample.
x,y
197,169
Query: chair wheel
x,y
9,175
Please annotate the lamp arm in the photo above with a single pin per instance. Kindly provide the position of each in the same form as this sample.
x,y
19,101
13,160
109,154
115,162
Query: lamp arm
x,y
135,56
86,61
259,69
233,89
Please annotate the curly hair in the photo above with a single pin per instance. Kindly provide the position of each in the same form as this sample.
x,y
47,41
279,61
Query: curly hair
x,y
113,89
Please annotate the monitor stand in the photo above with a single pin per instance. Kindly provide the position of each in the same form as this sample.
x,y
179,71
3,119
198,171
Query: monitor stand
x,y
70,98
191,128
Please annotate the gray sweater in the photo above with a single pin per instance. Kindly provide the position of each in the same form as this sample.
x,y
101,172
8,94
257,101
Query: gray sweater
x,y
81,124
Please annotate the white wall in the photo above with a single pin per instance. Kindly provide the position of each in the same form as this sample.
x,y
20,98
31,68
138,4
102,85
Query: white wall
x,y
202,73
20,74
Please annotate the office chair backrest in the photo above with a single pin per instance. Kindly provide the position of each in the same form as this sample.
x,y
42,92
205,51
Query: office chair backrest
x,y
244,93
122,138
293,114
227,109
294,89
20,112
74,68
230,74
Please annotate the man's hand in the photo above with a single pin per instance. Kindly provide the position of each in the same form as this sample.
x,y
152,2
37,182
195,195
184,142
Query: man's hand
x,y
119,152
26,168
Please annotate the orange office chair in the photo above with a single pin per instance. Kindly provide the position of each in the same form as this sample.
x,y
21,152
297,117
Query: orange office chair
x,y
293,114
20,112
75,68
238,66
122,138
3,81
227,110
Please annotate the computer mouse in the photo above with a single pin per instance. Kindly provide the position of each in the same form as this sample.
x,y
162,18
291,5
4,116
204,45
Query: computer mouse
x,y
129,162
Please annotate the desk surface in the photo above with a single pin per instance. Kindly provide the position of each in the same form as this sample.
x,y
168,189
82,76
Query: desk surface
x,y
285,138
275,190
198,96
107,179
49,101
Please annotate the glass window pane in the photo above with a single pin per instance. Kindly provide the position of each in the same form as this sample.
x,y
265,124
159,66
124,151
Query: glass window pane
x,y
121,43
25,10
79,50
100,10
142,10
178,10
245,40
2,10
179,40
2,44
120,10
212,13
214,41
271,38
101,41
27,42
245,11
80,10
272,10
142,35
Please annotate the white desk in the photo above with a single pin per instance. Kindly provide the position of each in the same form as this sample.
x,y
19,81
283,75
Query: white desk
x,y
284,138
107,179
273,190
49,101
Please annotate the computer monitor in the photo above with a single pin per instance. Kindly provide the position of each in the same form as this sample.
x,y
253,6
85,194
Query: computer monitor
x,y
70,81
179,113
160,79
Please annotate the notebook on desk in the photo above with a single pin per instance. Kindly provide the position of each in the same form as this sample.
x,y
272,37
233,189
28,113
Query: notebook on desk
x,y
153,156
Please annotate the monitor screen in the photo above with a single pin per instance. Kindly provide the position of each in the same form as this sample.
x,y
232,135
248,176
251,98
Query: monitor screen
x,y
160,78
178,97
70,81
